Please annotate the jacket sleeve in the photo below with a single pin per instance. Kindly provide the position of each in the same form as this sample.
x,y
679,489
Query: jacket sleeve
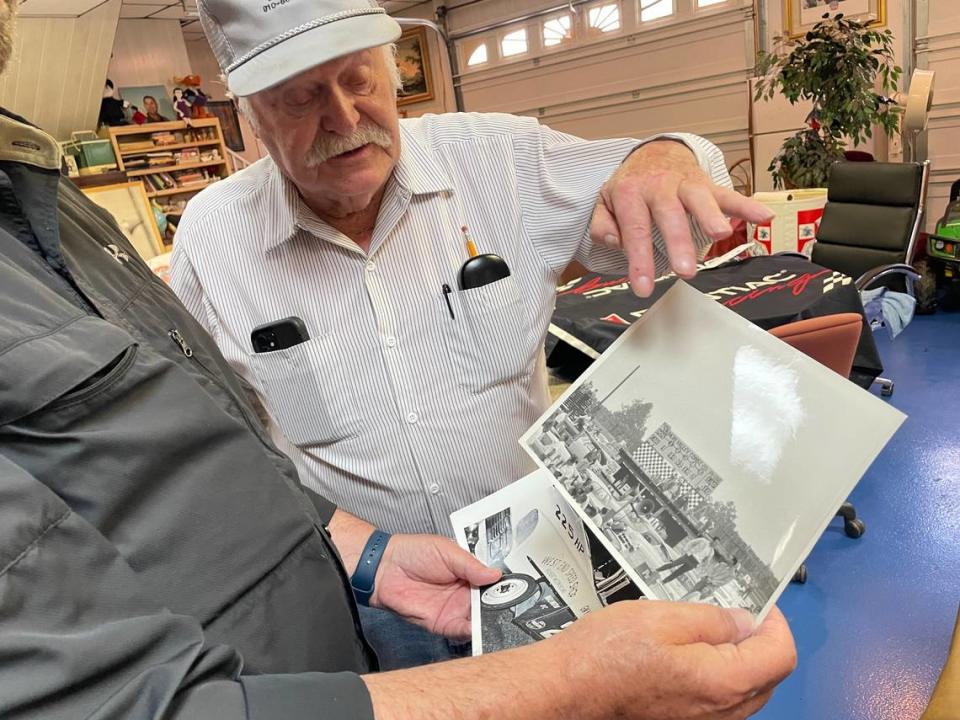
x,y
80,639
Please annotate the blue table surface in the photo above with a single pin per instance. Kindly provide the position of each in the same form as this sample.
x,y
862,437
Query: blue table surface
x,y
873,622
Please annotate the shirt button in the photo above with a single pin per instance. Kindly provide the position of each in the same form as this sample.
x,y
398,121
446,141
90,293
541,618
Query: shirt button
x,y
412,417
391,341
371,266
434,488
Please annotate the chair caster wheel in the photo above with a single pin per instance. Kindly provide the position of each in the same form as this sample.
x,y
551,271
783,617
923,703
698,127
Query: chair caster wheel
x,y
886,390
800,576
854,528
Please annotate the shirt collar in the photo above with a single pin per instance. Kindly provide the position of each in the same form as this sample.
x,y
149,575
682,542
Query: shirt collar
x,y
281,208
418,171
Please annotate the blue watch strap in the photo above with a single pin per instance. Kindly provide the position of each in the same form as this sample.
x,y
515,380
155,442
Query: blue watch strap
x,y
366,572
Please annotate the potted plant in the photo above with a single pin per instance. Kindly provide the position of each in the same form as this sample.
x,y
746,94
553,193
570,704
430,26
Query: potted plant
x,y
836,66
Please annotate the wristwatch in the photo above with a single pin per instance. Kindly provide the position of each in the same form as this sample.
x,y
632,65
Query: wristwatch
x,y
366,573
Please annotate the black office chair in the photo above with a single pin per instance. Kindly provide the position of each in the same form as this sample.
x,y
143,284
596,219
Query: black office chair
x,y
870,225
868,231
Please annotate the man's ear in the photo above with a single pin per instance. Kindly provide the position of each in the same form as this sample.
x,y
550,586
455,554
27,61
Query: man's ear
x,y
253,126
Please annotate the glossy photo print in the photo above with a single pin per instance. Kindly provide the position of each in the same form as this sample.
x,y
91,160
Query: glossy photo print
x,y
555,569
708,455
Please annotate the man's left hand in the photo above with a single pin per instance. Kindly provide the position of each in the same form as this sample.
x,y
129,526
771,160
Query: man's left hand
x,y
661,183
426,580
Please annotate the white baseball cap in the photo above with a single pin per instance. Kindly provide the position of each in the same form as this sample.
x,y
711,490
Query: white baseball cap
x,y
261,43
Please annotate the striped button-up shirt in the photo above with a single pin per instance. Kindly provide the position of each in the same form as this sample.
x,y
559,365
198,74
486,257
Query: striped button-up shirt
x,y
400,407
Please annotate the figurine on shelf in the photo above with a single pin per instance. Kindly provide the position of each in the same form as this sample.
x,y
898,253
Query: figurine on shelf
x,y
187,80
181,104
112,107
198,103
194,95
138,117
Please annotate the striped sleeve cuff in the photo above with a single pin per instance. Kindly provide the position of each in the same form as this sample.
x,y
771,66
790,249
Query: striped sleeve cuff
x,y
604,260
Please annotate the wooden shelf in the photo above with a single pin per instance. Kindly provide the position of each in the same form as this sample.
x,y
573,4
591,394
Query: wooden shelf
x,y
162,148
217,169
173,168
177,190
170,125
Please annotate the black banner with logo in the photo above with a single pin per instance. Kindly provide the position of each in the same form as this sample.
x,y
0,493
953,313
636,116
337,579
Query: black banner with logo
x,y
767,290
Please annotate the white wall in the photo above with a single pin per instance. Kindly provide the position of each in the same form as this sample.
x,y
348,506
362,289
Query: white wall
x,y
56,74
688,73
148,52
685,73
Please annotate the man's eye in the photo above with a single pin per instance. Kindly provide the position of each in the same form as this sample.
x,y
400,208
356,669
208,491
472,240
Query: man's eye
x,y
360,82
298,101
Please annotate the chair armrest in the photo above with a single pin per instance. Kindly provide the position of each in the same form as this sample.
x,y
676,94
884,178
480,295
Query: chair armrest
x,y
871,276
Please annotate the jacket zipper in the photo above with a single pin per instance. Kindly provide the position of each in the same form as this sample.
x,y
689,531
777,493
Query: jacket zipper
x,y
181,342
252,421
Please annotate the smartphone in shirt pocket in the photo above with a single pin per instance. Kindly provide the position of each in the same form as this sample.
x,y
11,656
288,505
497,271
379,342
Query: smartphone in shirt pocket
x,y
298,378
279,335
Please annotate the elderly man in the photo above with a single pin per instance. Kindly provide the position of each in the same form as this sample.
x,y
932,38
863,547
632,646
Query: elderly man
x,y
405,396
159,560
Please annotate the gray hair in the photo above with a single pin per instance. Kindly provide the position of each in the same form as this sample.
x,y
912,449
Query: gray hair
x,y
389,57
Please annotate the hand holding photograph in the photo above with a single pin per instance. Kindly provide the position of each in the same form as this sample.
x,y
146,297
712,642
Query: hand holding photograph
x,y
554,568
707,455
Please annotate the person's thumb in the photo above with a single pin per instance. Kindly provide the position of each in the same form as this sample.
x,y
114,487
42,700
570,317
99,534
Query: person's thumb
x,y
466,567
688,623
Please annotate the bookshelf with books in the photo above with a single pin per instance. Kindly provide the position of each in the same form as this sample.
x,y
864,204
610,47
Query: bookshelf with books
x,y
174,160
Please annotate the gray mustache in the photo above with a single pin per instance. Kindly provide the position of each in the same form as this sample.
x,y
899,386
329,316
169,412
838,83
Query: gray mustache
x,y
328,146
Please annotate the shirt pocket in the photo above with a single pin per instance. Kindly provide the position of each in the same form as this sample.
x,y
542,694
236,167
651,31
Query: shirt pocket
x,y
489,337
307,392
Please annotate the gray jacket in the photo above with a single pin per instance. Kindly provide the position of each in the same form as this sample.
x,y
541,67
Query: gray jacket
x,y
158,556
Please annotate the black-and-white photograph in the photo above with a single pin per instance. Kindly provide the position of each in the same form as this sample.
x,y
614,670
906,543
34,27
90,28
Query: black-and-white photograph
x,y
554,568
652,497
706,454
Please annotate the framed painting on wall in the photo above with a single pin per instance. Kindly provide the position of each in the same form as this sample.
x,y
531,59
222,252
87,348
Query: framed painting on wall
x,y
151,101
226,112
130,207
802,15
413,60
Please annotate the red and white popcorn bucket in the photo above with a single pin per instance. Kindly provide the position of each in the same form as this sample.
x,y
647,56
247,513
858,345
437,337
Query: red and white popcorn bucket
x,y
794,229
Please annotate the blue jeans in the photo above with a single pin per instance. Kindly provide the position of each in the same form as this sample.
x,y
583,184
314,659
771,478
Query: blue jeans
x,y
400,644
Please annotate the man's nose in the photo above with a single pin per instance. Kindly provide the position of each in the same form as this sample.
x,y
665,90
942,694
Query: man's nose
x,y
340,116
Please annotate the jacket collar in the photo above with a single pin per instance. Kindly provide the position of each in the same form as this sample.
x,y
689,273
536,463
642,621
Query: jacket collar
x,y
418,172
23,143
